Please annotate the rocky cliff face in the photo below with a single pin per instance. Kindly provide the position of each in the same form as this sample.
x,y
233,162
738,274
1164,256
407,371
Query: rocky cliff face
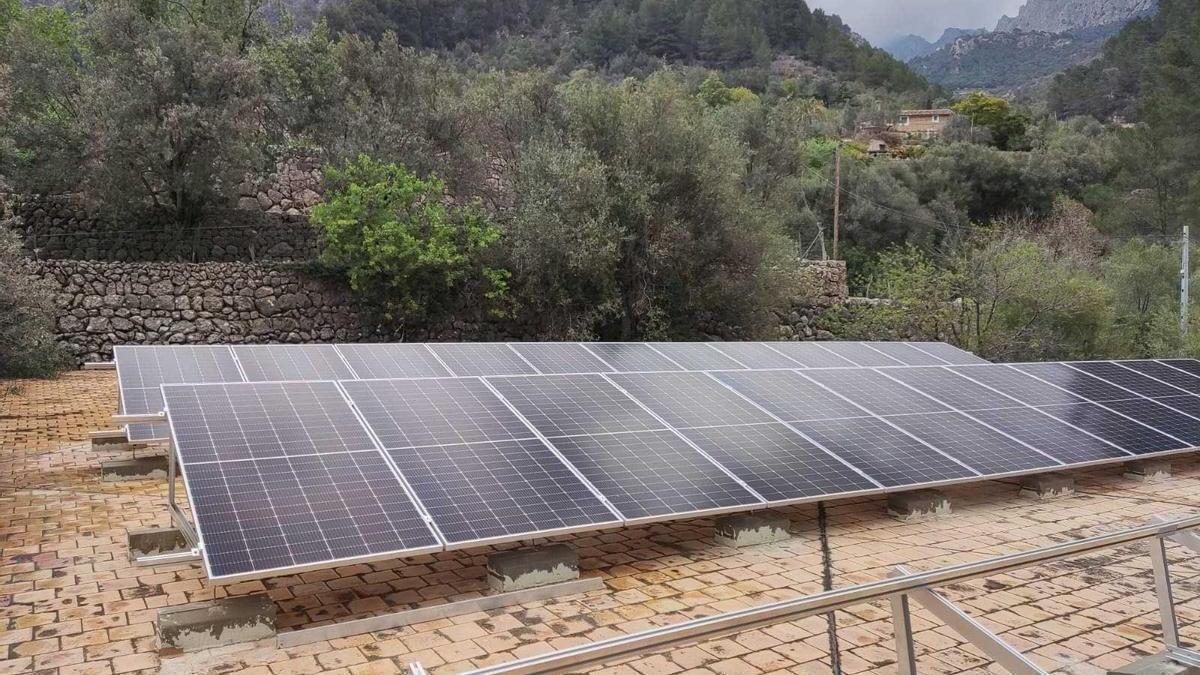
x,y
1061,16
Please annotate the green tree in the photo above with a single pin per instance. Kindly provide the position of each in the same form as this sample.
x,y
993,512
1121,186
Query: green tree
x,y
1007,126
401,249
1143,279
27,314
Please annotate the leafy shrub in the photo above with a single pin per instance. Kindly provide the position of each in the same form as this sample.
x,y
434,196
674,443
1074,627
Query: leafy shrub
x,y
401,249
27,312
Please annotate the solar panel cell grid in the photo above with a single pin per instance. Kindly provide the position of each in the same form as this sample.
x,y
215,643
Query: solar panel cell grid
x,y
224,422
488,491
1075,381
696,356
778,463
275,363
1127,379
755,355
874,391
1026,389
906,354
560,357
1118,430
652,473
690,399
1190,366
1160,417
1165,373
952,389
631,357
276,513
1189,405
882,452
145,367
811,355
948,353
572,405
983,449
1052,436
392,360
789,396
860,354
481,359
409,413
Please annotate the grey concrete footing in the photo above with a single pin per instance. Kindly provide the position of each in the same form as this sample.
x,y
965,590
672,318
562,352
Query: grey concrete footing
x,y
751,529
156,542
918,505
1156,664
203,625
138,468
1148,470
531,567
1047,486
109,439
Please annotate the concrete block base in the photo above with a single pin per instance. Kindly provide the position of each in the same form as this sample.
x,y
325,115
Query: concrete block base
x,y
1156,664
139,468
109,439
204,625
532,567
1148,470
1047,486
751,529
156,542
918,505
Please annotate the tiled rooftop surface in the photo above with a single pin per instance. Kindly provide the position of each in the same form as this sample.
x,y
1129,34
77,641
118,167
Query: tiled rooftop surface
x,y
71,602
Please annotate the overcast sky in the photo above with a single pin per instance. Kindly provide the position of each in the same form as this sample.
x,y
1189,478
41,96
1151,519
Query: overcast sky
x,y
883,20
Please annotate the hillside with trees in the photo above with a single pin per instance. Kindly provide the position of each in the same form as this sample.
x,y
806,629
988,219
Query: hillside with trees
x,y
606,179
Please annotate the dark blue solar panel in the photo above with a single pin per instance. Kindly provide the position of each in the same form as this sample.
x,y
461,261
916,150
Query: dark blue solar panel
x,y
882,452
376,361
482,491
1189,405
952,389
811,355
1161,371
948,353
860,354
1160,417
1024,388
696,356
573,405
906,354
275,363
777,462
560,357
875,391
690,399
755,355
1191,366
1127,379
1053,437
271,514
653,473
481,358
631,357
1118,430
1076,382
789,396
983,449
407,413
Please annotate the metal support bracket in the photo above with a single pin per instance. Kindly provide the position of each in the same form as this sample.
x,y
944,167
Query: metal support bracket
x,y
139,419
99,365
962,623
178,517
906,655
189,555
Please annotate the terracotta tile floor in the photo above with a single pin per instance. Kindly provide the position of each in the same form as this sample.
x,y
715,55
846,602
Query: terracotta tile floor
x,y
71,602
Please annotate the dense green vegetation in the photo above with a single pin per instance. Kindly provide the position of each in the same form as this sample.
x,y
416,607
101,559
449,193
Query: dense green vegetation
x,y
620,169
27,313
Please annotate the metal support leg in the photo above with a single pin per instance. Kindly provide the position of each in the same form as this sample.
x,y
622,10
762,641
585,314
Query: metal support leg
x,y
962,623
1162,589
906,657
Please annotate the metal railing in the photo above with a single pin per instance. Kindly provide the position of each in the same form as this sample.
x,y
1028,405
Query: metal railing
x,y
900,588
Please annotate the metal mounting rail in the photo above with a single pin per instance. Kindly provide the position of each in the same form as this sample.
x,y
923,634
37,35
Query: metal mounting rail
x,y
916,585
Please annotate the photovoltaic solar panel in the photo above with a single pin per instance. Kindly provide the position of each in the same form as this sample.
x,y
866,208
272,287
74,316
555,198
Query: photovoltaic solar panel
x,y
1162,418
273,514
952,389
399,359
1052,436
147,367
1127,378
1161,371
560,357
631,357
1189,405
983,449
789,396
652,473
1074,381
884,453
755,355
948,353
408,413
276,363
906,354
689,399
874,391
1191,366
1024,388
778,463
696,356
860,354
472,359
478,492
1118,430
573,405
810,355
239,421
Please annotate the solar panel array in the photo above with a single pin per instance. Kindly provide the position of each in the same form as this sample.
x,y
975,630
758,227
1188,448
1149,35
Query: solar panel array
x,y
450,462
141,369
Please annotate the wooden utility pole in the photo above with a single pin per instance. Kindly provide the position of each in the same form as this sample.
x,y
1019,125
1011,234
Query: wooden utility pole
x,y
837,195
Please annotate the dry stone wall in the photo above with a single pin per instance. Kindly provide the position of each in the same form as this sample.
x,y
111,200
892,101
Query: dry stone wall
x,y
104,303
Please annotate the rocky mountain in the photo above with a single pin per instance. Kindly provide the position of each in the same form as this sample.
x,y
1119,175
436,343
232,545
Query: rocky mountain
x,y
912,47
1064,16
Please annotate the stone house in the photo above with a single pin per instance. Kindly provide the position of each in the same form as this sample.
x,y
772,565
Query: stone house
x,y
924,123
